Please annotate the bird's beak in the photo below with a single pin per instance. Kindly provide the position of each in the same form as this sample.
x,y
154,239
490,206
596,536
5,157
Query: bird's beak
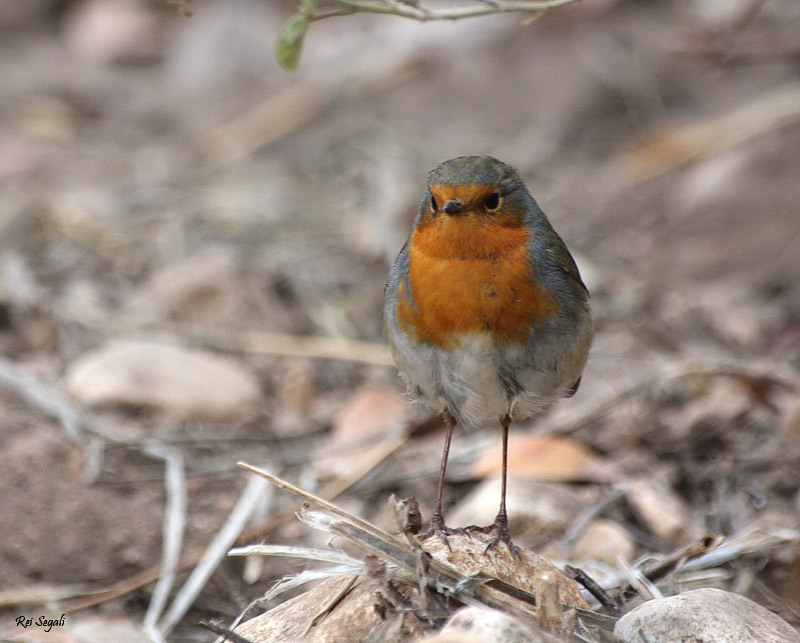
x,y
453,206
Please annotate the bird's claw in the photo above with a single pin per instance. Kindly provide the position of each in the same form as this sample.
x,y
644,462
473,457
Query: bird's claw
x,y
502,537
499,531
437,526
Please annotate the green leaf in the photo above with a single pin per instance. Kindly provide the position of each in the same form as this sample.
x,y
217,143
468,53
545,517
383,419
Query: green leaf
x,y
290,40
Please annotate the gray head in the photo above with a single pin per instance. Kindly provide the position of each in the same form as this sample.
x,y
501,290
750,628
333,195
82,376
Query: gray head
x,y
485,170
478,183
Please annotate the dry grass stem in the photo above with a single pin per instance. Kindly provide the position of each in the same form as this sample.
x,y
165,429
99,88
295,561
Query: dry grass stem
x,y
432,11
173,529
215,552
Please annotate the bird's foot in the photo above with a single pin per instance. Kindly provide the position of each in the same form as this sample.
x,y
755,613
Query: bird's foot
x,y
437,526
499,531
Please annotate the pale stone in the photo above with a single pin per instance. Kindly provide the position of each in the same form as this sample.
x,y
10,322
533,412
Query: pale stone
x,y
704,615
179,382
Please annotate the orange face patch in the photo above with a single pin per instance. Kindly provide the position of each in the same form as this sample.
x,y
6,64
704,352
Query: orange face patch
x,y
469,273
473,197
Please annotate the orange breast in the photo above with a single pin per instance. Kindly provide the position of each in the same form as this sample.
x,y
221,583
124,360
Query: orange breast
x,y
467,276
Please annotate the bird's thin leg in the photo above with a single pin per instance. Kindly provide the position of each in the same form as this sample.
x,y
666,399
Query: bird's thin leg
x,y
437,525
500,525
502,516
499,528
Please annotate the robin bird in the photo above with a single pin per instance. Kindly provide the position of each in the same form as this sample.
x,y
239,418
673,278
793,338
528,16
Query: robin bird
x,y
485,311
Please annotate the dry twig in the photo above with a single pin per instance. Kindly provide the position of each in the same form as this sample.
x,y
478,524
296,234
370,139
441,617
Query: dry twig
x,y
173,528
213,555
290,41
435,10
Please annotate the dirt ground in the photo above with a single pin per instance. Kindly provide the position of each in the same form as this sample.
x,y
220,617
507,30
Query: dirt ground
x,y
161,176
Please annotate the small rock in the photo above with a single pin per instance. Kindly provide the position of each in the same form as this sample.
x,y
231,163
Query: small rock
x,y
605,541
481,624
706,614
661,511
180,383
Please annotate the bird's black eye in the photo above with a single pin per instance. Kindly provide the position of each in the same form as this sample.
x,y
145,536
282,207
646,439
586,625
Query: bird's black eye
x,y
492,201
434,207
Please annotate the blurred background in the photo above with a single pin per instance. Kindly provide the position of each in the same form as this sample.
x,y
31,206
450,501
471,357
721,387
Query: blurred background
x,y
194,244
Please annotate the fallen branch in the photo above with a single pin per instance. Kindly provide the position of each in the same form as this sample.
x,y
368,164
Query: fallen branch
x,y
425,12
290,41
